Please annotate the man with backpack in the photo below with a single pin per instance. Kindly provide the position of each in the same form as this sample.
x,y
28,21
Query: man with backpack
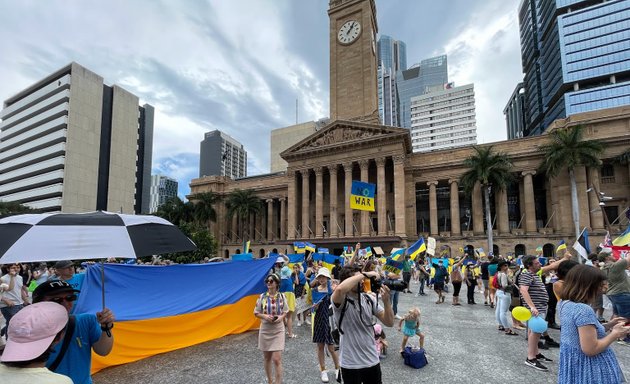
x,y
353,311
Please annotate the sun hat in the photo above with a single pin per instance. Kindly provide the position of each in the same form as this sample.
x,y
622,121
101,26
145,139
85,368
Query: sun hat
x,y
323,271
280,260
32,330
63,264
51,287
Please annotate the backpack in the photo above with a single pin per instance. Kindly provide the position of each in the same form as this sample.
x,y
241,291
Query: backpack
x,y
495,281
456,276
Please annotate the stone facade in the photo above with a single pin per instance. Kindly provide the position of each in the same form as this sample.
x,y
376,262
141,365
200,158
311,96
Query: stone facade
x,y
310,200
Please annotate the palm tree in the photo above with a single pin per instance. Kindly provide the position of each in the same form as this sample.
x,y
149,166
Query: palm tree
x,y
204,207
490,170
567,149
242,203
176,211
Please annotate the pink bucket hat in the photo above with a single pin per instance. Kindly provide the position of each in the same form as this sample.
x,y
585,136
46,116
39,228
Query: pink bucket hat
x,y
32,330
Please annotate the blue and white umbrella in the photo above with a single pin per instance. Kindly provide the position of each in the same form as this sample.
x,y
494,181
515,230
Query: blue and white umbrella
x,y
82,236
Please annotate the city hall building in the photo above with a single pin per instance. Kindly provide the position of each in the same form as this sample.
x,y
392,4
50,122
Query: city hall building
x,y
417,194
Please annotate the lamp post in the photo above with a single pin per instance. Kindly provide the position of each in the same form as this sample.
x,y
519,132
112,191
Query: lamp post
x,y
601,198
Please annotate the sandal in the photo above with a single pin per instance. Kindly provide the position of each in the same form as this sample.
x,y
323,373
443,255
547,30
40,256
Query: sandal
x,y
292,336
510,332
501,328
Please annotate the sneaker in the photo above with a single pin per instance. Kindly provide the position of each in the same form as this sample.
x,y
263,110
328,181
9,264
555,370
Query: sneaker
x,y
552,343
536,365
299,323
324,377
623,342
397,317
542,357
308,321
338,374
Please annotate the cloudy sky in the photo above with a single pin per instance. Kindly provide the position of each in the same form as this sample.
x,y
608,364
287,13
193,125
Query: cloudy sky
x,y
239,65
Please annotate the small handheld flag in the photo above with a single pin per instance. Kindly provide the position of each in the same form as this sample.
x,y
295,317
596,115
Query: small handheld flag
x,y
561,246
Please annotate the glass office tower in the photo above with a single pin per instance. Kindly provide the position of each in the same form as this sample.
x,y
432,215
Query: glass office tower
x,y
575,56
430,75
392,57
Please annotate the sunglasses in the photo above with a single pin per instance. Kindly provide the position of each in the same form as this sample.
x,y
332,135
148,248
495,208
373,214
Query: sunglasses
x,y
68,298
270,281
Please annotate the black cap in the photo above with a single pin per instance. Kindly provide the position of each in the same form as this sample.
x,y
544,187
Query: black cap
x,y
51,287
63,264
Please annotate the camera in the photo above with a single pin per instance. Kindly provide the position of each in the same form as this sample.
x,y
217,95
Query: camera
x,y
393,285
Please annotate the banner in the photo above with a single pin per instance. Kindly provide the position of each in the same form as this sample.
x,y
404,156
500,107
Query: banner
x,y
362,196
431,246
620,252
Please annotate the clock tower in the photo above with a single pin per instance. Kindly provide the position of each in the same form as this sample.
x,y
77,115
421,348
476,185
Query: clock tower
x,y
353,62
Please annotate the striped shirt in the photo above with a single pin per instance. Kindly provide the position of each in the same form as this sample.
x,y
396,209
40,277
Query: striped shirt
x,y
536,291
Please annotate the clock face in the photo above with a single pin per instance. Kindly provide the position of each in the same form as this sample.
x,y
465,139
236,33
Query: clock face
x,y
349,32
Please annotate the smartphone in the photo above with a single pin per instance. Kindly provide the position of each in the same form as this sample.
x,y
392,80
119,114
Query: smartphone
x,y
275,318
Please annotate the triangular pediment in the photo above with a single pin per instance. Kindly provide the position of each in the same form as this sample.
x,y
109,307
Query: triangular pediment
x,y
342,134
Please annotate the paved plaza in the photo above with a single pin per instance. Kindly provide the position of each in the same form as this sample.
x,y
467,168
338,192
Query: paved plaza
x,y
462,344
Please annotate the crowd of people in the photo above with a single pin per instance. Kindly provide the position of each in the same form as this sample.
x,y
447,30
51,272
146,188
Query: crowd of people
x,y
348,307
566,294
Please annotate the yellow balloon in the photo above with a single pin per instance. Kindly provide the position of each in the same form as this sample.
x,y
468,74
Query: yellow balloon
x,y
521,313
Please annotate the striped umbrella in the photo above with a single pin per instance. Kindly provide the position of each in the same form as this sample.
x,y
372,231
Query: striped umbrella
x,y
81,236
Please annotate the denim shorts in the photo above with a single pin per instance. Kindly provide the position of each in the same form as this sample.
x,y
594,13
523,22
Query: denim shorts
x,y
621,304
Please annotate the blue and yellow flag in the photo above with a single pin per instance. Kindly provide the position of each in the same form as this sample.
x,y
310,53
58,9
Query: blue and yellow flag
x,y
393,266
397,255
624,238
309,246
299,247
328,260
155,314
362,196
368,252
416,248
246,250
561,246
480,252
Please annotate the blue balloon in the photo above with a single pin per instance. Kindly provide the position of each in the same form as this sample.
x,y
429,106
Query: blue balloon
x,y
537,324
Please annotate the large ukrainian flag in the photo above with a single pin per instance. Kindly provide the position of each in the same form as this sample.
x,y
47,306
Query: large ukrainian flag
x,y
163,308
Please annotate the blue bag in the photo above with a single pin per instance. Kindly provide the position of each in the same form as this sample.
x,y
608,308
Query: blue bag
x,y
415,358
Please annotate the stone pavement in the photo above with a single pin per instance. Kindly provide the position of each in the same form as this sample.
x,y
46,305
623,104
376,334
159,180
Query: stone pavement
x,y
462,344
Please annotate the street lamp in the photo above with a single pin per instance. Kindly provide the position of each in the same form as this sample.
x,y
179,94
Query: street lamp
x,y
602,198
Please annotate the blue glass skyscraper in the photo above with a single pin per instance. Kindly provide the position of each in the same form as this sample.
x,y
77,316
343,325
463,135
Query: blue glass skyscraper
x,y
392,57
575,56
431,74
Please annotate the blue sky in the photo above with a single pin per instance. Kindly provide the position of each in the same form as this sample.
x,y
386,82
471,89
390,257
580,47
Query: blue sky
x,y
239,65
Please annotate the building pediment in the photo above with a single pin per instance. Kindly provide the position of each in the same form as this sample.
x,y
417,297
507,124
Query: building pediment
x,y
341,134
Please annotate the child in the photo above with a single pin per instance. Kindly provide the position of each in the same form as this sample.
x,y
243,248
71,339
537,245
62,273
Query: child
x,y
381,343
411,327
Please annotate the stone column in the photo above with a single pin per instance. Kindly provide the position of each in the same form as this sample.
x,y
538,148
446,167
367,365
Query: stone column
x,y
334,218
235,224
305,203
381,196
477,208
530,208
270,219
456,229
251,233
433,211
502,212
319,203
399,194
365,215
283,218
597,219
292,205
347,167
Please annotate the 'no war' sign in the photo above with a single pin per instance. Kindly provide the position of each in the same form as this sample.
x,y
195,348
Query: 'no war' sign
x,y
362,196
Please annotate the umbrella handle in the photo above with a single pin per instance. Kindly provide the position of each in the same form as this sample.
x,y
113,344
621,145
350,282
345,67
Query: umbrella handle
x,y
107,331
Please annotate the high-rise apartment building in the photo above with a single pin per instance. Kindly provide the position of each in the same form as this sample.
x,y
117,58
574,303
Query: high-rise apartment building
x,y
71,143
428,76
443,119
574,56
221,155
392,57
514,113
163,188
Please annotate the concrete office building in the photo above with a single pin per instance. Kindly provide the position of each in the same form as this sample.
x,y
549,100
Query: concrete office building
x,y
221,155
430,75
283,138
444,119
575,58
514,112
163,188
71,143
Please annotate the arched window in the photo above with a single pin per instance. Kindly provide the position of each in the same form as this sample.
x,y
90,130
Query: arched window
x,y
226,254
549,250
520,250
